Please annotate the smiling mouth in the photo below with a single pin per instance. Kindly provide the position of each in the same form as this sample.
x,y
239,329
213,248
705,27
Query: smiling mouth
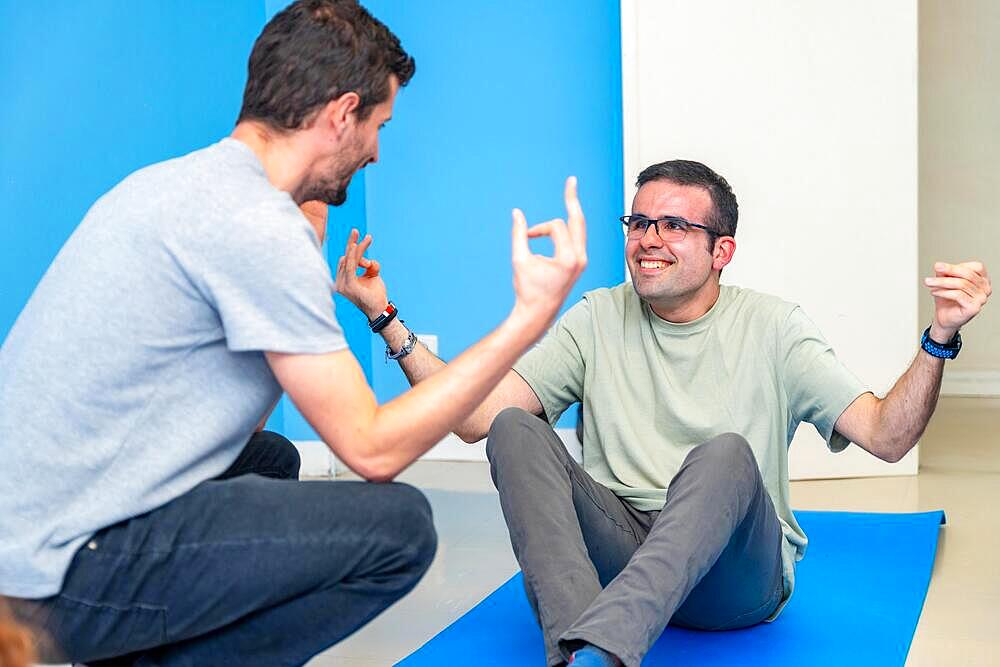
x,y
653,265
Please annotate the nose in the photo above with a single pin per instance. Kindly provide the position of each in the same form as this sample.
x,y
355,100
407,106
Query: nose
x,y
651,238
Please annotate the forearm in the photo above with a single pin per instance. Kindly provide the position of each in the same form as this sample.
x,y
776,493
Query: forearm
x,y
422,364
443,397
419,364
406,427
905,411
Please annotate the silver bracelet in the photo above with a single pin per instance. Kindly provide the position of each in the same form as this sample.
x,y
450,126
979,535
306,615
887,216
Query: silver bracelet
x,y
411,342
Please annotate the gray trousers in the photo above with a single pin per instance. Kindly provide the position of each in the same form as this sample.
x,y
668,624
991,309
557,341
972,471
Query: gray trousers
x,y
598,571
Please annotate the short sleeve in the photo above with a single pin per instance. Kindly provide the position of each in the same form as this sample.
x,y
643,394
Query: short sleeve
x,y
555,367
819,387
266,277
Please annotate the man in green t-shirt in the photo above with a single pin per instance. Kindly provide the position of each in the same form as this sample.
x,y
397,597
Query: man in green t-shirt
x,y
691,393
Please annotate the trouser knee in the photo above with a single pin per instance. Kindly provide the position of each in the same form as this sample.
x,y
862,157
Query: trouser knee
x,y
727,458
511,438
406,525
728,449
284,461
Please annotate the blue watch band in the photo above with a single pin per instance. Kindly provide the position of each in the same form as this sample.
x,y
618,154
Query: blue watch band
x,y
948,350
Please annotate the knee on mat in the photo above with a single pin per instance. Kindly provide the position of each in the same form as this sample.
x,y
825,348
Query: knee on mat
x,y
506,424
286,461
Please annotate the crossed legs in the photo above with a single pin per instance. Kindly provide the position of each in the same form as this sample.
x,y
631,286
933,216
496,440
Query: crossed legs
x,y
598,571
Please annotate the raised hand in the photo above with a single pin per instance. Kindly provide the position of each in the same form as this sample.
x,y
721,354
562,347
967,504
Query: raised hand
x,y
541,283
366,291
960,291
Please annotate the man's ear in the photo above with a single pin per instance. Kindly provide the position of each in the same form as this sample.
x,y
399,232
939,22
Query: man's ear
x,y
722,253
339,114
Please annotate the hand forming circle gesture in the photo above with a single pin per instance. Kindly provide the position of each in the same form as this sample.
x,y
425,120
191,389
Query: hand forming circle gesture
x,y
541,283
366,291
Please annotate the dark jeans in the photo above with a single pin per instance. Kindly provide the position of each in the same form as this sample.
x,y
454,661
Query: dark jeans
x,y
599,571
253,568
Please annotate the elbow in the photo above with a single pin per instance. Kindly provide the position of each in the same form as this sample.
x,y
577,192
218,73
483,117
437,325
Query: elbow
x,y
470,433
892,456
376,468
378,473
893,451
470,437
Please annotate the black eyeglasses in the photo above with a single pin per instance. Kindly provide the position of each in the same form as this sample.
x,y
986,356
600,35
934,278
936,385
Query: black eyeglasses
x,y
670,228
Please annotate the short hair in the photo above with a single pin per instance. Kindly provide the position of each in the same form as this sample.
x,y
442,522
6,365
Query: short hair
x,y
314,51
725,210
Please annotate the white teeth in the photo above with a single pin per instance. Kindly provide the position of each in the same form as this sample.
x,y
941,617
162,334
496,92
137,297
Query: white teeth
x,y
652,264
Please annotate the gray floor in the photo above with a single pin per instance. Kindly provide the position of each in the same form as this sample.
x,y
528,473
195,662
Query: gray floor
x,y
960,472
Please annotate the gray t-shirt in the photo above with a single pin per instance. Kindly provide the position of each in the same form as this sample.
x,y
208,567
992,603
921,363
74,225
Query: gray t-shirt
x,y
136,371
653,390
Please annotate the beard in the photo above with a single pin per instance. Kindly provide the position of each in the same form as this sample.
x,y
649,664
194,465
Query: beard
x,y
333,197
331,187
330,193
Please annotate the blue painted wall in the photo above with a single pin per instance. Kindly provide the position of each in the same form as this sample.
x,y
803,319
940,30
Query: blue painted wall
x,y
93,91
286,418
508,100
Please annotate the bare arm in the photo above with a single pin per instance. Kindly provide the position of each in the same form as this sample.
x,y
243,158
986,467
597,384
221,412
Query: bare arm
x,y
512,391
890,427
378,442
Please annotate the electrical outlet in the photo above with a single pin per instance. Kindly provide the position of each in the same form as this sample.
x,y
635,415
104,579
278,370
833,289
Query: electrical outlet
x,y
431,341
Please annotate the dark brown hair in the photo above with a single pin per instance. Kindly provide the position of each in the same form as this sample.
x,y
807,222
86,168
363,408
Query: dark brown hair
x,y
725,210
314,51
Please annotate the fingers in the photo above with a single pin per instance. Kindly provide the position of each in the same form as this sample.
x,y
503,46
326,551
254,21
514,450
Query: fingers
x,y
564,249
362,247
958,296
543,228
974,272
558,232
569,238
970,278
519,237
371,267
348,256
352,238
354,254
953,284
575,219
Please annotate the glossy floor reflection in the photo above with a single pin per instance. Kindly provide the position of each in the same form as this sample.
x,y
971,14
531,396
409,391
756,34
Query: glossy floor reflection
x,y
960,473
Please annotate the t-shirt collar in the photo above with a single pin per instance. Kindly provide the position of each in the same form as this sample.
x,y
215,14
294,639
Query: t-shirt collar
x,y
694,326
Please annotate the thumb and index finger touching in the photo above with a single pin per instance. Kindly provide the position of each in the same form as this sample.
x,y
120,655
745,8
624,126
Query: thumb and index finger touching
x,y
568,235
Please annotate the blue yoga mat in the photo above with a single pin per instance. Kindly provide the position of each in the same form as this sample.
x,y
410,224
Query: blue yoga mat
x,y
858,596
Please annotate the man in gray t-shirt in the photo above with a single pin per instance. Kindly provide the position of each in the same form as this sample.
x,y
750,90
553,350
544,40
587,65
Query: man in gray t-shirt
x,y
142,512
691,392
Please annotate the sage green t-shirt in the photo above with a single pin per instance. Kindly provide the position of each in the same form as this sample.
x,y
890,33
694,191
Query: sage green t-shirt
x,y
653,390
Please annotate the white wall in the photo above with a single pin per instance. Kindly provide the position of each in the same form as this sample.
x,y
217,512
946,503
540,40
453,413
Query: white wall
x,y
809,109
960,167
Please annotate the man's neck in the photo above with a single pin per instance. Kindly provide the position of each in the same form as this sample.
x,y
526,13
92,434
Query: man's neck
x,y
280,154
689,308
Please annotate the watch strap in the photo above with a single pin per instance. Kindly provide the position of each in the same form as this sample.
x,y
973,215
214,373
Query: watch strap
x,y
947,350
407,348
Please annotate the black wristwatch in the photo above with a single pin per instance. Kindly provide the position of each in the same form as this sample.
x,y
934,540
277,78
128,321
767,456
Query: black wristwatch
x,y
947,350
